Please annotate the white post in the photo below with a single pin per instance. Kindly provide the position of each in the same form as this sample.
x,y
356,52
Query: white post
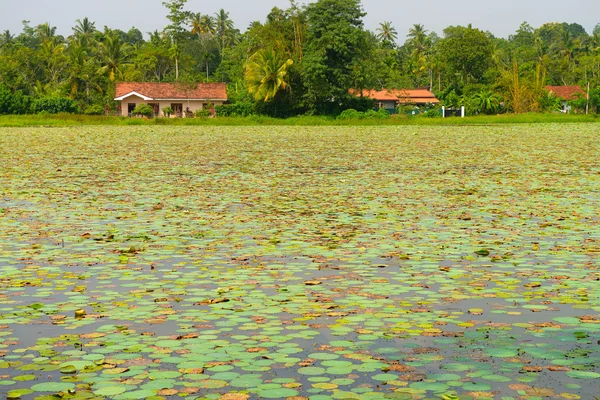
x,y
462,112
443,111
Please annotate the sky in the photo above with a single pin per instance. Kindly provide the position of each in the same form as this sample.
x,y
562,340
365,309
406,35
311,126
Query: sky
x,y
502,18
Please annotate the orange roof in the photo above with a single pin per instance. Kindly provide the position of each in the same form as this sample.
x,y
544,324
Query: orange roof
x,y
172,91
402,96
566,92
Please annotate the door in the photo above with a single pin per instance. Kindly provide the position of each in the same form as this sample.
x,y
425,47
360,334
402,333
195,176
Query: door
x,y
177,109
130,108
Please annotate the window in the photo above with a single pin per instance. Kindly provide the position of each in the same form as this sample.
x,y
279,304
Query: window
x,y
177,109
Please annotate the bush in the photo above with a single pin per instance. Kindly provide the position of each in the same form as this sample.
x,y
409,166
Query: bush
x,y
370,114
202,113
13,103
351,114
54,105
433,113
241,109
143,110
167,111
94,109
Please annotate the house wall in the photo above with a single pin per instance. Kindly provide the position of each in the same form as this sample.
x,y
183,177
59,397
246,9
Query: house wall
x,y
387,104
192,105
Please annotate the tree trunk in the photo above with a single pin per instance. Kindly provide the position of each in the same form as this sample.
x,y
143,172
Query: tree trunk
x,y
176,68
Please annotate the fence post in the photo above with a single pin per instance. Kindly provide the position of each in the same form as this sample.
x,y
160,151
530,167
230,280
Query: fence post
x,y
462,112
443,111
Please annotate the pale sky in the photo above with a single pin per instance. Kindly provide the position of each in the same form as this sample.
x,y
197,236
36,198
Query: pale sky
x,y
501,18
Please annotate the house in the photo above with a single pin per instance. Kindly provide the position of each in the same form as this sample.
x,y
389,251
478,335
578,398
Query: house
x,y
182,98
393,98
566,94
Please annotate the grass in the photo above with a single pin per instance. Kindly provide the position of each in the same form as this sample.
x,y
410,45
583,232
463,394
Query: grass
x,y
86,120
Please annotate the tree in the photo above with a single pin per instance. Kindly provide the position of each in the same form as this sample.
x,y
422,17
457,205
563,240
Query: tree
x,y
466,51
177,28
266,74
224,26
334,35
83,31
417,38
387,33
6,39
114,55
202,25
46,32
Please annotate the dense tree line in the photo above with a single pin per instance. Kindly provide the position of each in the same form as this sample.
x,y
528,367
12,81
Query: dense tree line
x,y
300,60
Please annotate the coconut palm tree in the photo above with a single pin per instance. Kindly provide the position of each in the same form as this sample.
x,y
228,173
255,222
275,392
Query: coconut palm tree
x,y
84,30
46,32
113,54
387,33
417,38
224,25
7,38
202,25
266,74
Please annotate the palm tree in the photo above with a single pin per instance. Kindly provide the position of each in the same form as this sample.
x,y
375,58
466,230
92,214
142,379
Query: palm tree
x,y
113,54
266,73
6,39
417,38
224,25
202,25
46,32
84,30
387,33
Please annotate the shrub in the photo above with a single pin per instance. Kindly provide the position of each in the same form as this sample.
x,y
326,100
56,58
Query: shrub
x,y
202,113
433,113
370,114
241,109
54,105
167,111
13,103
144,110
94,109
379,114
351,114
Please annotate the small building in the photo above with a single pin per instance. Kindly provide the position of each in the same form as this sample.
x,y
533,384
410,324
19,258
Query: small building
x,y
182,98
566,94
393,98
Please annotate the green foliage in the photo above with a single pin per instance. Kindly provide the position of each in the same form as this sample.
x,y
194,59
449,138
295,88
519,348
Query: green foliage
x,y
334,38
53,105
466,51
487,102
167,111
95,109
13,103
266,74
239,109
370,114
143,110
202,113
304,60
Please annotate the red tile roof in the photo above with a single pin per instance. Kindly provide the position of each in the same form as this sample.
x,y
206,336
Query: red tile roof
x,y
566,92
173,91
402,96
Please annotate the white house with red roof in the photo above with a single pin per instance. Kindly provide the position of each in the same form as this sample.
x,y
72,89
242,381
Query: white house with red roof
x,y
566,94
180,97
